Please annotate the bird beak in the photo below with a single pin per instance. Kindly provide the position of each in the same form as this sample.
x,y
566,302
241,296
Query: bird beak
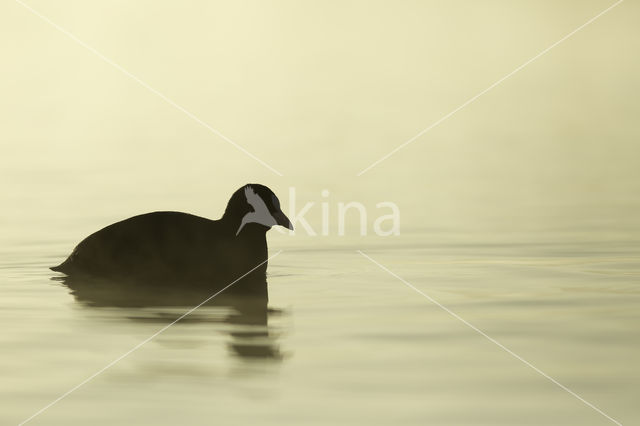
x,y
282,220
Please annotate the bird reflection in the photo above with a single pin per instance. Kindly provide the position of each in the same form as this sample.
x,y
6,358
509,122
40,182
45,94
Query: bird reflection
x,y
248,315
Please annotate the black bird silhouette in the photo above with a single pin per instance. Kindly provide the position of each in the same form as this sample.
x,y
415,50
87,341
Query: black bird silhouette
x,y
182,249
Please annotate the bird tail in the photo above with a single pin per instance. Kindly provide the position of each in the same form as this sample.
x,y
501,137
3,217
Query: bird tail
x,y
63,267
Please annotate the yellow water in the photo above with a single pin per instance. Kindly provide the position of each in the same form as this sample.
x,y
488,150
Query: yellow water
x,y
520,213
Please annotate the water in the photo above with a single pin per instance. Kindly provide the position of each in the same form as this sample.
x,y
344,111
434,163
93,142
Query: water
x,y
345,342
520,214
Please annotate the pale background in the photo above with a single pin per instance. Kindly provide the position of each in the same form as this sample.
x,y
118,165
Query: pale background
x,y
521,211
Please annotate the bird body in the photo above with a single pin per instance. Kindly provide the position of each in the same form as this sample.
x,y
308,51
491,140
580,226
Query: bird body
x,y
184,249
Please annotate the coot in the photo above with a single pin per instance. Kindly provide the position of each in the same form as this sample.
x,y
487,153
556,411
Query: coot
x,y
183,249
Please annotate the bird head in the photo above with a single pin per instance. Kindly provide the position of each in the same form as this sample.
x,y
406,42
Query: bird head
x,y
255,203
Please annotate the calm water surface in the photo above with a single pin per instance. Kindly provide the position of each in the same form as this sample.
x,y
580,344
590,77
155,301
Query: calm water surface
x,y
343,342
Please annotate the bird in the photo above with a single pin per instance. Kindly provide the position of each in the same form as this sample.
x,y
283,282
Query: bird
x,y
181,249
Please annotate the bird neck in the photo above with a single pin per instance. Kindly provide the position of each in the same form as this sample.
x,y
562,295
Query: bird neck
x,y
251,230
